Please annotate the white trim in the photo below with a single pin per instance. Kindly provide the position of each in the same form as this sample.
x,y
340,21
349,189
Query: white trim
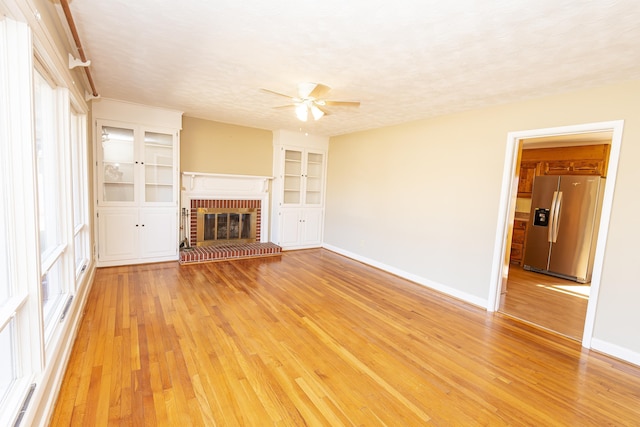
x,y
10,307
616,351
51,257
16,137
46,394
507,207
603,232
452,292
137,114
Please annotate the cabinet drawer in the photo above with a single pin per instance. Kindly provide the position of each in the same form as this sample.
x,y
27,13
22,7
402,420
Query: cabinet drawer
x,y
519,225
518,236
558,167
587,167
516,252
574,167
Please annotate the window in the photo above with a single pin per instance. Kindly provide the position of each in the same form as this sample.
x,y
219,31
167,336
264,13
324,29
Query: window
x,y
7,324
5,292
50,197
44,216
17,356
7,364
78,137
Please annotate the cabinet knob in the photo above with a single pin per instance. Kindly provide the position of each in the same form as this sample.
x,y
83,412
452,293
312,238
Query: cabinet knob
x,y
136,225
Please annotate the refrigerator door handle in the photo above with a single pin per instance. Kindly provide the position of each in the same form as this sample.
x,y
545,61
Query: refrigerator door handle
x,y
556,219
552,217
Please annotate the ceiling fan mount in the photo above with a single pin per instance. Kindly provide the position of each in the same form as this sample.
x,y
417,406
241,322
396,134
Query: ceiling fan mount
x,y
311,101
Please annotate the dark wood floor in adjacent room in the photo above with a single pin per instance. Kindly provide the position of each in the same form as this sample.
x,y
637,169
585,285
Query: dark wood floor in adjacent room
x,y
313,338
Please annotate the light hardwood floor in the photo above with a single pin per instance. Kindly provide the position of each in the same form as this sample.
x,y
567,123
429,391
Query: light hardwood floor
x,y
313,338
556,304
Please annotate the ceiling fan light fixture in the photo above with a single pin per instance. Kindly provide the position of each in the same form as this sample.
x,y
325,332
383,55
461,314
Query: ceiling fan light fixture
x,y
302,112
316,112
310,99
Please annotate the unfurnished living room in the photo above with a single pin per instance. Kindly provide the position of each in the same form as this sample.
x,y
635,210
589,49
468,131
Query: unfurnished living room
x,y
339,213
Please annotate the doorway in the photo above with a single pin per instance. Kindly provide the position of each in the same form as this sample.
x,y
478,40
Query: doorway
x,y
553,303
501,267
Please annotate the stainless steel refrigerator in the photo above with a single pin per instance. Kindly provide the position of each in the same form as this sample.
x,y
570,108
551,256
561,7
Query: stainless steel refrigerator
x,y
565,214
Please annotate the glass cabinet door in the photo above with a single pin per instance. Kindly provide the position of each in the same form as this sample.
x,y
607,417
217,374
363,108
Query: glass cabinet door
x,y
314,178
116,164
292,179
158,167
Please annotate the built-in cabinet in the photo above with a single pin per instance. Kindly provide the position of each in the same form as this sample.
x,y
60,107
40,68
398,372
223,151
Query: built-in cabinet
x,y
301,227
137,183
300,165
573,167
576,160
518,241
303,176
528,171
128,235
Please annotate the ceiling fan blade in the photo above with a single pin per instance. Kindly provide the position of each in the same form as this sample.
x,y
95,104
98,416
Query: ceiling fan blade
x,y
342,103
319,91
324,110
285,107
277,93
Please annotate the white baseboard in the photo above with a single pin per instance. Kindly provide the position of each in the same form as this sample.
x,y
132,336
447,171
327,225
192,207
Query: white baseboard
x,y
615,351
471,299
601,346
48,389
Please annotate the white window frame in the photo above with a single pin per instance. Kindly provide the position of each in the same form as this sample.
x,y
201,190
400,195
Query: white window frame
x,y
18,163
59,255
78,134
38,352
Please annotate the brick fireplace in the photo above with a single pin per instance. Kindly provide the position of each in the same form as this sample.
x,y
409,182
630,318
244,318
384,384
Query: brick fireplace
x,y
200,207
230,196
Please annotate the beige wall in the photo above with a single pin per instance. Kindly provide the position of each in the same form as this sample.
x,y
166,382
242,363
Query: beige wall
x,y
213,147
423,197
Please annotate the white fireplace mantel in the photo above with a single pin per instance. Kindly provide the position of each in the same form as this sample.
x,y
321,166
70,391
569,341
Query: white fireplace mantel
x,y
224,184
214,186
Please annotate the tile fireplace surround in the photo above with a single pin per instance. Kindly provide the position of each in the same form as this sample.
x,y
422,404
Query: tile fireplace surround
x,y
226,191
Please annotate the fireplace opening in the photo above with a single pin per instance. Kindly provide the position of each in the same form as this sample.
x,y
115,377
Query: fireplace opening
x,y
225,225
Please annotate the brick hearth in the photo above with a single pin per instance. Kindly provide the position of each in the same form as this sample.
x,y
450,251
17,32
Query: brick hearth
x,y
229,251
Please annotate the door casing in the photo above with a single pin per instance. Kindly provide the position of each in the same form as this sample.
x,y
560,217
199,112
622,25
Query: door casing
x,y
506,212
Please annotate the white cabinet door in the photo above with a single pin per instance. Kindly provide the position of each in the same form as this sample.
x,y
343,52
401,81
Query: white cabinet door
x,y
117,234
303,177
314,170
311,233
158,233
126,235
289,227
117,169
292,176
159,167
136,166
300,228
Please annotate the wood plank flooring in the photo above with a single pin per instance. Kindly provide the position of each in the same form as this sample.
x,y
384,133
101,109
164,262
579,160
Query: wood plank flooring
x,y
556,304
315,339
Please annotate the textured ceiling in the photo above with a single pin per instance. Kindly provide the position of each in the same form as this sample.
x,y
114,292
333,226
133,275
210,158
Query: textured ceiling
x,y
403,60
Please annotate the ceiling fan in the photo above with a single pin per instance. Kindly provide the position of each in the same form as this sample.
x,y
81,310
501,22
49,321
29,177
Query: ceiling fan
x,y
310,100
